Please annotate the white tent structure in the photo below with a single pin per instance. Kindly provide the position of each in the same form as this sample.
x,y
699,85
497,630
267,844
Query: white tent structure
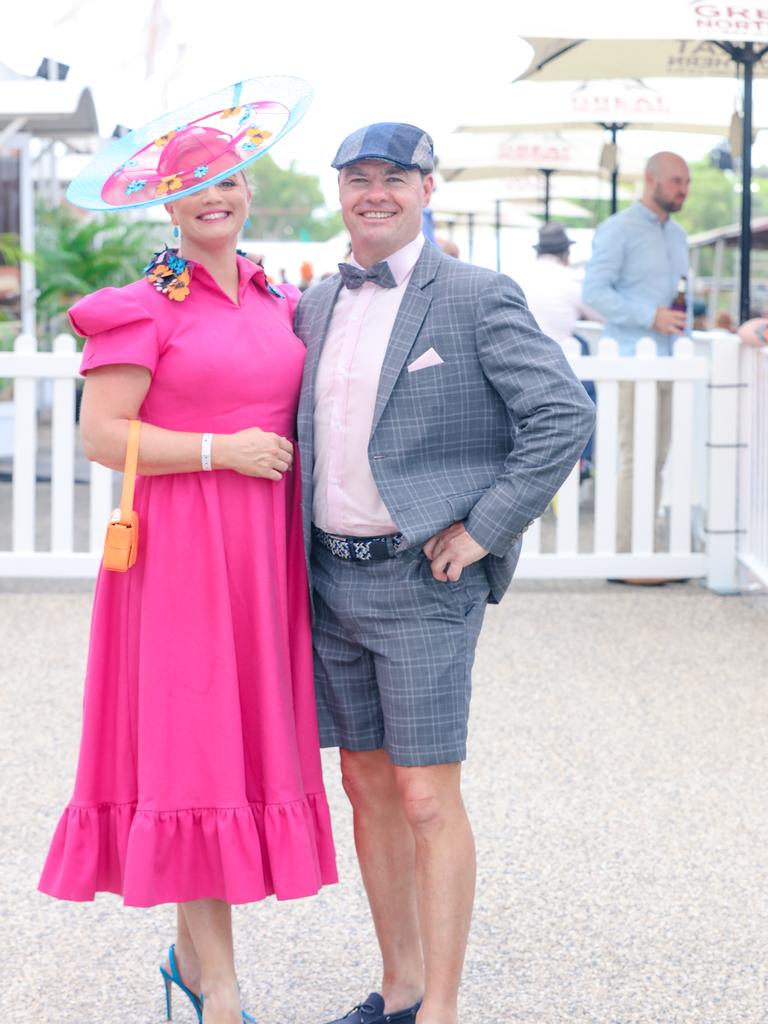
x,y
690,39
36,108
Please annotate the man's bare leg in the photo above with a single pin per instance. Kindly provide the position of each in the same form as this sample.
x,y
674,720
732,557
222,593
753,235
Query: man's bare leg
x,y
386,851
445,881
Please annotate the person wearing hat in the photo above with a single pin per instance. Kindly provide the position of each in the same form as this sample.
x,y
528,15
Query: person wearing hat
x,y
552,290
436,422
551,287
199,779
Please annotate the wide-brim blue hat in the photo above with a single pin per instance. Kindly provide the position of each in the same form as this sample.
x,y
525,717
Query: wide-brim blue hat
x,y
189,149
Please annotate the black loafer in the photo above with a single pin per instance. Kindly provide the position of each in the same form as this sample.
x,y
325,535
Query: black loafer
x,y
372,1012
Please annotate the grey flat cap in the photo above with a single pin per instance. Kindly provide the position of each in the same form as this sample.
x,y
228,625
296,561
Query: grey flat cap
x,y
401,144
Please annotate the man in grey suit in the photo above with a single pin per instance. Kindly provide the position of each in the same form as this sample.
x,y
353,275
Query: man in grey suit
x,y
436,423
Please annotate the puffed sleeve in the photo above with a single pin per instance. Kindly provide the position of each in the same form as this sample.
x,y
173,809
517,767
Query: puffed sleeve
x,y
118,329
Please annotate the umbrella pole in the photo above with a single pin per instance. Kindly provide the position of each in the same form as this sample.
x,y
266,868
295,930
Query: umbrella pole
x,y
498,234
747,56
746,187
614,128
547,172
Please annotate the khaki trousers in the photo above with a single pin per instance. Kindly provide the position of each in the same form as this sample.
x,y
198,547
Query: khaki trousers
x,y
626,454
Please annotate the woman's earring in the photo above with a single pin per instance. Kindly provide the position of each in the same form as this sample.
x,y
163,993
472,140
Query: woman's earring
x,y
247,223
175,232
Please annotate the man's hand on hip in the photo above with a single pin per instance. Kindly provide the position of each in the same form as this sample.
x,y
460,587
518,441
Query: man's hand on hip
x,y
669,321
451,550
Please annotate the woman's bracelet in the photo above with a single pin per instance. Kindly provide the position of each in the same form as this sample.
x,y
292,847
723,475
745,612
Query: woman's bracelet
x,y
205,452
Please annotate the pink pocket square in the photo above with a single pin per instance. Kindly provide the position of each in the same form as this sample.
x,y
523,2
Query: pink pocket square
x,y
428,358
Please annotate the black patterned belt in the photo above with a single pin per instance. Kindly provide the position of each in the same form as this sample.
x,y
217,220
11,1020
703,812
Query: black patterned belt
x,y
359,549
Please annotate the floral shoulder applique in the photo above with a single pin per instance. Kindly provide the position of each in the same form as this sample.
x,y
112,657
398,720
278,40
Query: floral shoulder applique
x,y
169,274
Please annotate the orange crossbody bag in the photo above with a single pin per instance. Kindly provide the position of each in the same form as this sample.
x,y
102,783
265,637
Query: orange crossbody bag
x,y
121,545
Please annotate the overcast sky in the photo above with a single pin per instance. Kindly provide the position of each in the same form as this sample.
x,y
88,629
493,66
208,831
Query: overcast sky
x,y
391,60
384,60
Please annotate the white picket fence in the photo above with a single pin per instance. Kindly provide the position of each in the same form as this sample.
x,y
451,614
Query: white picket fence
x,y
752,548
710,422
607,369
28,367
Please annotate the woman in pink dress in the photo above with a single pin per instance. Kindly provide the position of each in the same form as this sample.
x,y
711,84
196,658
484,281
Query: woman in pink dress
x,y
199,778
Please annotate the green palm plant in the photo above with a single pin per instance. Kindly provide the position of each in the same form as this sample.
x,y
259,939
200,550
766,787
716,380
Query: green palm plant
x,y
10,250
10,253
74,256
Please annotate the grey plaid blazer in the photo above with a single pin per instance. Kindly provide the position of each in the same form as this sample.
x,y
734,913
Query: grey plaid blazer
x,y
487,437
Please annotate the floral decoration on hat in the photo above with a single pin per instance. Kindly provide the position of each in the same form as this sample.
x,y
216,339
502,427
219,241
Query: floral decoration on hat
x,y
170,183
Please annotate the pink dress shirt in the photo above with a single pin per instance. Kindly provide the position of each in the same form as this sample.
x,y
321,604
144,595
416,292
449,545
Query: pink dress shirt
x,y
346,500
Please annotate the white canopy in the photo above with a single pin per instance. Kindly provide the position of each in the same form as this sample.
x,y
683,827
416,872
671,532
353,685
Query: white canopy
x,y
37,106
49,109
671,38
655,38
650,105
526,188
464,157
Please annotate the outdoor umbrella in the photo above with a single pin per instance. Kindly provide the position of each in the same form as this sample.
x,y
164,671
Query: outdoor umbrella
x,y
525,188
658,38
613,105
499,154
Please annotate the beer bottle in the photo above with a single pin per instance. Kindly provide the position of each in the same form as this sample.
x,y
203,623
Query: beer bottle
x,y
680,301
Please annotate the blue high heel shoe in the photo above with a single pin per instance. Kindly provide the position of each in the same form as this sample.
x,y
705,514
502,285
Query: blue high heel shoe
x,y
174,978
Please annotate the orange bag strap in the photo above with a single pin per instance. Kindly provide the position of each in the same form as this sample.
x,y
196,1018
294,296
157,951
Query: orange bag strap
x,y
129,473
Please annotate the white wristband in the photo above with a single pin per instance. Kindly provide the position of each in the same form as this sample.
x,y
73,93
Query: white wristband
x,y
205,452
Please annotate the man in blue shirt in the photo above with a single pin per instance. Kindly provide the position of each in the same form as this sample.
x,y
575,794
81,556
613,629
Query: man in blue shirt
x,y
638,258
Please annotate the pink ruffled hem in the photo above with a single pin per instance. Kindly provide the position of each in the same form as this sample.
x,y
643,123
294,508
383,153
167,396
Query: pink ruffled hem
x,y
237,854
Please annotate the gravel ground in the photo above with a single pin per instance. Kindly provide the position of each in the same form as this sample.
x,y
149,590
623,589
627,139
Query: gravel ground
x,y
617,783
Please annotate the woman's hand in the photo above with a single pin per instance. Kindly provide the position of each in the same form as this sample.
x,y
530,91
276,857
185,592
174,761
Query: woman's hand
x,y
253,452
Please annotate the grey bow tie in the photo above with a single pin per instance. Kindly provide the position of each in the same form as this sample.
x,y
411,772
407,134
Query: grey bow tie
x,y
379,273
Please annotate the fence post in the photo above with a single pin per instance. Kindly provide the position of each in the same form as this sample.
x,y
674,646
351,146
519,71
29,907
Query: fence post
x,y
24,452
721,529
63,454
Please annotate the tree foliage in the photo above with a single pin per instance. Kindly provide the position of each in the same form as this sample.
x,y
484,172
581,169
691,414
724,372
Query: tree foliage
x,y
712,202
288,206
75,256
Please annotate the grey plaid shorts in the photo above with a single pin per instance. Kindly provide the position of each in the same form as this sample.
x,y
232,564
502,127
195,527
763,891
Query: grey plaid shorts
x,y
393,655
